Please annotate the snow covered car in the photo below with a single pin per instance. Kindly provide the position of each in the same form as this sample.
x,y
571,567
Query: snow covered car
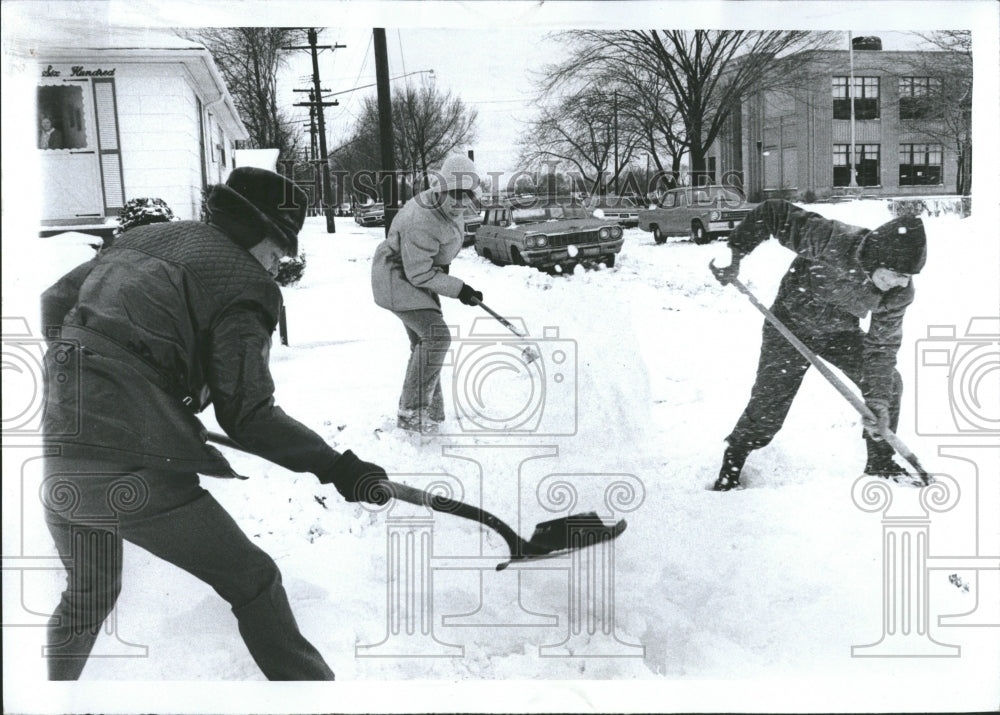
x,y
620,209
702,212
547,237
370,215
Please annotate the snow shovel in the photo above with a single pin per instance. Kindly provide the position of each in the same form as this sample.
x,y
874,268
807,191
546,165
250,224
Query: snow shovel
x,y
528,354
887,434
550,539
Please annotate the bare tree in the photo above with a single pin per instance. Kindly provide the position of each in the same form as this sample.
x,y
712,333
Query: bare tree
x,y
946,110
249,59
704,73
427,126
578,131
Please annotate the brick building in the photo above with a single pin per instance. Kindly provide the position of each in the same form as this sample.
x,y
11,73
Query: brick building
x,y
795,137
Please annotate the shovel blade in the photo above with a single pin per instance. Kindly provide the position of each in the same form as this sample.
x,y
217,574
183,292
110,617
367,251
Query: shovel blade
x,y
571,532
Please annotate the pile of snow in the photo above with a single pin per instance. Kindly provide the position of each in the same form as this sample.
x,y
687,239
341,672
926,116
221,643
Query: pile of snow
x,y
776,582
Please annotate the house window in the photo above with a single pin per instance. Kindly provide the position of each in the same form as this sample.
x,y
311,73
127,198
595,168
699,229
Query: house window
x,y
866,95
916,96
866,169
920,164
60,118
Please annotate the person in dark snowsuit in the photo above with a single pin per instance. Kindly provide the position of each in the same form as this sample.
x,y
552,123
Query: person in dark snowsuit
x,y
173,317
842,273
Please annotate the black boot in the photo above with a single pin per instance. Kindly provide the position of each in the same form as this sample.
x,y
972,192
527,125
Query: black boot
x,y
732,465
881,464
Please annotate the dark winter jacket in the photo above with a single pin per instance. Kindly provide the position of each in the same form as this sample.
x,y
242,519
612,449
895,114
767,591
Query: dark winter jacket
x,y
827,289
171,318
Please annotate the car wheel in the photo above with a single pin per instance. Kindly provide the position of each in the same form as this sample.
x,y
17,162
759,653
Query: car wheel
x,y
658,236
609,261
488,255
516,258
698,234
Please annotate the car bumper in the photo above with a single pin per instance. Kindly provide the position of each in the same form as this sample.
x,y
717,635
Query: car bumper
x,y
547,257
722,226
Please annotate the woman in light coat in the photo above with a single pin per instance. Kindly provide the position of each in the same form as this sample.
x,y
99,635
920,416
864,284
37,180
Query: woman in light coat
x,y
410,273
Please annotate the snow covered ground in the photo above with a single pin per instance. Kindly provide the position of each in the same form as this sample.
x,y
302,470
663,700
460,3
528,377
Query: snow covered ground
x,y
734,601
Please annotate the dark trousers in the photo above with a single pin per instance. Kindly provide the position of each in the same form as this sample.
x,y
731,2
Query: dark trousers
x,y
92,506
779,375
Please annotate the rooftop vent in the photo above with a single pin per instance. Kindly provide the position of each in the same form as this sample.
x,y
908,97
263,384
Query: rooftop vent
x,y
867,43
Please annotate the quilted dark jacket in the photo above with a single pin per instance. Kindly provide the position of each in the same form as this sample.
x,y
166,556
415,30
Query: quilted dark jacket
x,y
827,289
173,317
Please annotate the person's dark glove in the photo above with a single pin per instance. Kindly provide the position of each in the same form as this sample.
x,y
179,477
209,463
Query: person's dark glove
x,y
875,428
356,479
726,274
469,295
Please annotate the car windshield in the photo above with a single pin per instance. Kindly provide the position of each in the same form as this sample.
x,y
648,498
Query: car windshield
x,y
614,202
713,194
548,213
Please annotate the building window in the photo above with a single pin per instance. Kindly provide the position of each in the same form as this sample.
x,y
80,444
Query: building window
x,y
60,118
916,96
866,95
920,164
867,165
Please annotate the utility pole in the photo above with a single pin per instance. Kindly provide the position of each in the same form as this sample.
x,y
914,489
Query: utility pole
x,y
314,151
318,103
390,189
850,95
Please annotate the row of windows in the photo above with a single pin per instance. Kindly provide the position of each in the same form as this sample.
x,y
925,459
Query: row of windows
x,y
914,93
919,164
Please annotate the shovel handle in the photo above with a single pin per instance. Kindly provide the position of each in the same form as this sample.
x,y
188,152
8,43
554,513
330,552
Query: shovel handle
x,y
412,495
503,321
858,404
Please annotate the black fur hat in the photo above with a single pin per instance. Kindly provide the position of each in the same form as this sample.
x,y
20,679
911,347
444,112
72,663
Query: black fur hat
x,y
279,199
900,244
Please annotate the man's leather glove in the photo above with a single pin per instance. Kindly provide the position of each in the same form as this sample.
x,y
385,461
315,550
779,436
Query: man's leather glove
x,y
880,408
469,295
356,480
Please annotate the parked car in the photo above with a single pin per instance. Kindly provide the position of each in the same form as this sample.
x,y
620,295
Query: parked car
x,y
702,212
370,215
620,209
546,237
473,220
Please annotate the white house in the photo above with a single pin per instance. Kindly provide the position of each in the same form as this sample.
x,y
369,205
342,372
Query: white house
x,y
132,114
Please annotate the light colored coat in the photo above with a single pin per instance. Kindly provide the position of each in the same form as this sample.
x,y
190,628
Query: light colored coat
x,y
409,266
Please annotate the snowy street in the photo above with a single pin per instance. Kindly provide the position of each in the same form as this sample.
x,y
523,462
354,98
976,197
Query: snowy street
x,y
779,580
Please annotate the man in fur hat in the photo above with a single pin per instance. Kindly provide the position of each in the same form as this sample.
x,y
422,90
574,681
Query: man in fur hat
x,y
841,274
173,317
